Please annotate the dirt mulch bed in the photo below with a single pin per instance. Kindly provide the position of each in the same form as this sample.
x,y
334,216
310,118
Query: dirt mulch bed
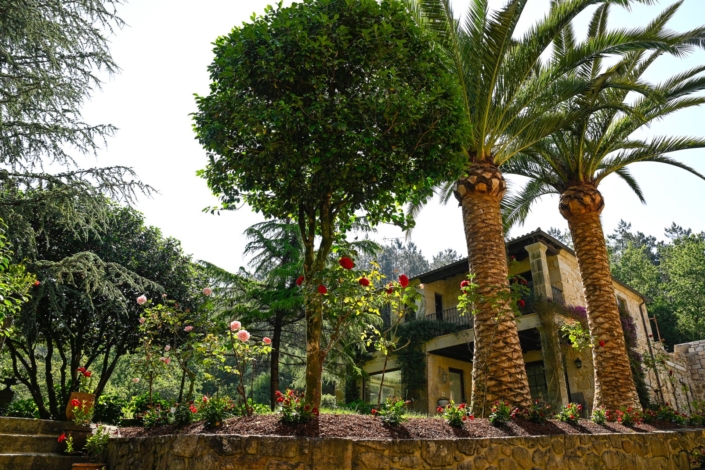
x,y
369,427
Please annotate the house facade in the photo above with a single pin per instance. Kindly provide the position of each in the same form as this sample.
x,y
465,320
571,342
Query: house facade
x,y
557,372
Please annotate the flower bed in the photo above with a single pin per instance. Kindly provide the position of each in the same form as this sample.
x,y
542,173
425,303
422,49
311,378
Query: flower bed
x,y
369,427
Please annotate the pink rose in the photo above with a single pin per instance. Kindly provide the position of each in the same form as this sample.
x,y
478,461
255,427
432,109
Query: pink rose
x,y
235,325
207,291
188,328
142,320
165,360
136,380
266,340
421,286
163,296
167,347
243,335
141,299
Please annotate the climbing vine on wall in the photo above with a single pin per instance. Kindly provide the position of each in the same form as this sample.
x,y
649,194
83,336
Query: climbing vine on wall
x,y
412,358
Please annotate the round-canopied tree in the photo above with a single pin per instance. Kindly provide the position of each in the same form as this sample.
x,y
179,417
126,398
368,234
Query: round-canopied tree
x,y
325,112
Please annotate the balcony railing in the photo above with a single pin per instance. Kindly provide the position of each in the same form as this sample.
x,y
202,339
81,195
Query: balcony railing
x,y
450,315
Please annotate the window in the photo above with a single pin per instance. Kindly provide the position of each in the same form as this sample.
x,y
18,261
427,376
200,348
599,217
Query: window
x,y
457,386
537,379
390,388
439,306
622,304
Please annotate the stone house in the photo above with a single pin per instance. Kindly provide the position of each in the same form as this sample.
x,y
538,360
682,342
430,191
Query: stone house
x,y
557,371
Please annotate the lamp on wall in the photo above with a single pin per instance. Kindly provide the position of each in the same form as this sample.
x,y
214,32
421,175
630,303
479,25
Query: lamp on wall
x,y
444,376
578,363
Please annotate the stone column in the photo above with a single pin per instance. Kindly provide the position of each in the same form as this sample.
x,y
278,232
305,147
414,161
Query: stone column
x,y
539,270
550,338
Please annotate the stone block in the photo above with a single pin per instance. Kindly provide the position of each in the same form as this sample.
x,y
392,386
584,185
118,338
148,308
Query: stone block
x,y
437,453
372,460
612,459
282,447
280,465
331,454
185,445
522,457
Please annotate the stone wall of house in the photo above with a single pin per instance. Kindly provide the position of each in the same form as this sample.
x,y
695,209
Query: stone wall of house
x,y
565,275
692,356
437,366
657,451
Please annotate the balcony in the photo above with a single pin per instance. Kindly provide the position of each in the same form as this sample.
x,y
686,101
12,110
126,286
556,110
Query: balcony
x,y
451,315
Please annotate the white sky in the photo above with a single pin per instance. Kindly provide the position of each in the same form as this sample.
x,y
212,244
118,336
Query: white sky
x,y
164,53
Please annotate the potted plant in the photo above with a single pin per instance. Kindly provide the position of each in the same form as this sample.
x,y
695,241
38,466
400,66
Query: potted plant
x,y
82,400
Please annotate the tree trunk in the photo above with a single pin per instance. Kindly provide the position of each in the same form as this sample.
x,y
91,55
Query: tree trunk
x,y
274,361
499,372
314,364
614,385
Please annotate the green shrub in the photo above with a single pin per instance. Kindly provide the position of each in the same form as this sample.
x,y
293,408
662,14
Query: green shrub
x,y
393,411
537,412
184,413
359,406
215,410
570,413
109,409
454,415
259,408
599,415
155,416
23,409
501,413
292,409
329,401
139,404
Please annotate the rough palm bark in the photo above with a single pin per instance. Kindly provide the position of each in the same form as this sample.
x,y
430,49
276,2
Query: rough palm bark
x,y
499,372
614,386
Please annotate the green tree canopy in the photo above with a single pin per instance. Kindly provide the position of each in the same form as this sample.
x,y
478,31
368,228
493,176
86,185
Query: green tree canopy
x,y
325,111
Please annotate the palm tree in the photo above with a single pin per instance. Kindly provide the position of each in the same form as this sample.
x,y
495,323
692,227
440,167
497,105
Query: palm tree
x,y
574,161
511,99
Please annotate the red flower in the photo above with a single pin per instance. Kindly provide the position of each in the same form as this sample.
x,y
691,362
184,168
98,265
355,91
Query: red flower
x,y
277,393
602,344
364,282
464,284
403,280
472,417
62,438
521,303
205,399
465,418
346,263
299,280
439,409
389,289
461,406
315,411
82,370
374,412
36,284
75,403
87,373
322,289
193,409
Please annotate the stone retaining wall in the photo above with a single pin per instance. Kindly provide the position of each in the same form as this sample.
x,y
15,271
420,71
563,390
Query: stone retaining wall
x,y
662,450
694,358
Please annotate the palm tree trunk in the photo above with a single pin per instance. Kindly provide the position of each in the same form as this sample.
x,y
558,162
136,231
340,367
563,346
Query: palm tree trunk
x,y
499,372
614,385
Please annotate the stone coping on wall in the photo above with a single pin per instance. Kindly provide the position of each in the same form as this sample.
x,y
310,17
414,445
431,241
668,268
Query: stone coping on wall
x,y
665,450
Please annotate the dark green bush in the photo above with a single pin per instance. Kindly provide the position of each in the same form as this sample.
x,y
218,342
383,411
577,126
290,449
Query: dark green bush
x,y
109,409
23,409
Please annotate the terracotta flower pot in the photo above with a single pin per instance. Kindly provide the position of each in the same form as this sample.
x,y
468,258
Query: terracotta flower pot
x,y
89,466
86,399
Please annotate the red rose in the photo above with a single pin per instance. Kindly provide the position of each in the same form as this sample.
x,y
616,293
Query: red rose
x,y
403,280
315,411
464,284
439,409
299,280
62,438
465,418
364,282
389,289
193,409
87,373
374,412
277,393
346,263
36,284
322,289
472,417
280,399
75,403
521,303
602,344
82,370
461,406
